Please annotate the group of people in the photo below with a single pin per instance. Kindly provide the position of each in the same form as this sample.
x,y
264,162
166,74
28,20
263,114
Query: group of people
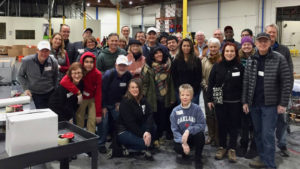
x,y
142,90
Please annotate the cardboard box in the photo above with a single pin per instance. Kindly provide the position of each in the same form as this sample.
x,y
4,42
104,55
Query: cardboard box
x,y
4,50
16,50
30,131
28,51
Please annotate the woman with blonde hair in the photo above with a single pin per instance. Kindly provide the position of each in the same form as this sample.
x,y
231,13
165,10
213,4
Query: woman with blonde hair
x,y
60,54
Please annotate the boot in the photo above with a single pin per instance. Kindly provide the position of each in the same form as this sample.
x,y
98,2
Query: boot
x,y
257,163
232,156
220,153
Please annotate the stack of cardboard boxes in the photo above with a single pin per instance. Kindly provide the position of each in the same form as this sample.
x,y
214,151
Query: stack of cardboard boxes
x,y
17,50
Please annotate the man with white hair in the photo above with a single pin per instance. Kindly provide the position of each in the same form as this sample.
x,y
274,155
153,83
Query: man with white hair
x,y
219,35
281,129
38,75
201,47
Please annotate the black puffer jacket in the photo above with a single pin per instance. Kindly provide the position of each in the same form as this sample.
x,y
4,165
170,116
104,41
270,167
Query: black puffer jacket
x,y
286,53
277,79
230,75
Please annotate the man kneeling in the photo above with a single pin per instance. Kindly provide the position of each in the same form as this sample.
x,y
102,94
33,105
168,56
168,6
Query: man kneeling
x,y
188,125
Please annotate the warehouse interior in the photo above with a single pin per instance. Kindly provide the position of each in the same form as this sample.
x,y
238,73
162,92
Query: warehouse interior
x,y
24,23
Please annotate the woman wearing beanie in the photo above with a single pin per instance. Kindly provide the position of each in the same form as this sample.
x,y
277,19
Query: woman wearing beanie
x,y
247,49
159,89
247,134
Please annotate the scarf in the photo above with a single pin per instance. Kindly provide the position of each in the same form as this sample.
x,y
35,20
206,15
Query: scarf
x,y
213,58
161,72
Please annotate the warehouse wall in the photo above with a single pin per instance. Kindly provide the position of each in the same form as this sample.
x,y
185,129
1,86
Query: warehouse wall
x,y
108,17
26,23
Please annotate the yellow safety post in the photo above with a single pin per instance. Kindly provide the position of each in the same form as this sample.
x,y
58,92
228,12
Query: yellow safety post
x,y
64,20
184,19
118,18
84,19
50,33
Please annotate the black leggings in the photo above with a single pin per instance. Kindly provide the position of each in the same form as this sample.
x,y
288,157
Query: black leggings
x,y
228,117
196,141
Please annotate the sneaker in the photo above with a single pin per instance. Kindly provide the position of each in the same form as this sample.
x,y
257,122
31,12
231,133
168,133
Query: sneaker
x,y
241,151
102,149
156,144
162,141
251,154
257,163
220,153
147,155
183,159
283,152
232,156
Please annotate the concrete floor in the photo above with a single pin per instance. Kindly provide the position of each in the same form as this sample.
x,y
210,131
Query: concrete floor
x,y
165,159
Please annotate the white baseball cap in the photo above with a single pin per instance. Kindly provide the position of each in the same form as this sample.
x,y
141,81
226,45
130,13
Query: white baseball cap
x,y
151,29
43,45
122,60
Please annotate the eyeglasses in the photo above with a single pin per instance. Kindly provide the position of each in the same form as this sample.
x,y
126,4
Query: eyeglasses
x,y
76,73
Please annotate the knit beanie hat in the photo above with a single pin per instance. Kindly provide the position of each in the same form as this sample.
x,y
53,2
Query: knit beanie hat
x,y
247,39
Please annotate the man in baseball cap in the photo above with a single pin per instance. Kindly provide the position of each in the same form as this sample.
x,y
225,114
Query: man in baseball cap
x,y
38,75
266,93
114,85
151,42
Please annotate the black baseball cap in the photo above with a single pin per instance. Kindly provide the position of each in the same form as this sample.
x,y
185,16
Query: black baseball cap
x,y
263,35
88,29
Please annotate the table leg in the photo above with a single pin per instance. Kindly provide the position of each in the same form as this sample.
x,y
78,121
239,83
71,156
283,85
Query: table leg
x,y
94,159
64,164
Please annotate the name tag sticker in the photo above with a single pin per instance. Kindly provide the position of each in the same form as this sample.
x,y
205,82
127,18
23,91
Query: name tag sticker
x,y
122,84
261,73
80,51
234,74
48,68
180,112
69,94
86,93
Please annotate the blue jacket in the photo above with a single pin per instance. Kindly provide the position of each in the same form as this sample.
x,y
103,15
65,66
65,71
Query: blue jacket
x,y
114,87
190,118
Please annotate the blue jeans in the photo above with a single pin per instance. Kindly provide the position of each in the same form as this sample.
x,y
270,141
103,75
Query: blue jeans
x,y
264,120
281,130
132,141
103,127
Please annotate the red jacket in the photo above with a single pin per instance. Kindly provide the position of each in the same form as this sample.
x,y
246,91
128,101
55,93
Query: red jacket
x,y
92,84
